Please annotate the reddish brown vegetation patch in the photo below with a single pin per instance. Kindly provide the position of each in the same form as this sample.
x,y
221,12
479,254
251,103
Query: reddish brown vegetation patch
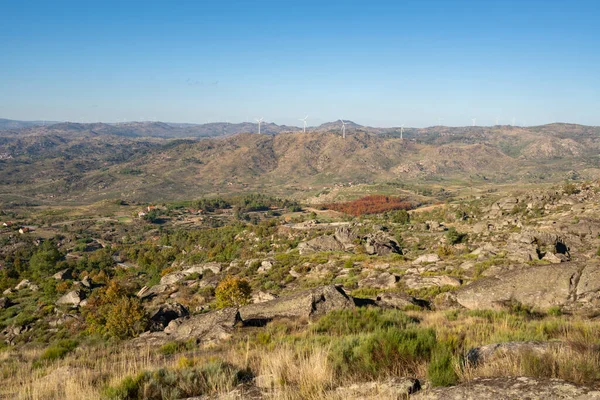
x,y
370,205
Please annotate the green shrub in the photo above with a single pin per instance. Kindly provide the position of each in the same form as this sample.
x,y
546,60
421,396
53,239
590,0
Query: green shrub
x,y
455,237
361,320
441,370
383,352
110,311
554,311
56,351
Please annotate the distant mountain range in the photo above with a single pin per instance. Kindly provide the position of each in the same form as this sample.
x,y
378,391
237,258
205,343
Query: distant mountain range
x,y
153,161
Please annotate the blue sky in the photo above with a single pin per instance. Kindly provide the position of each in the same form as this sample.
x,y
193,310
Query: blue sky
x,y
374,62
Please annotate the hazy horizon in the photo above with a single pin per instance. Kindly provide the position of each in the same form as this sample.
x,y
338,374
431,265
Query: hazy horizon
x,y
420,63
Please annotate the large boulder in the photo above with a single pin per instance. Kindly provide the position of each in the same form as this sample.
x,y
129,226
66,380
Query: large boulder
x,y
166,313
211,326
346,236
540,287
380,280
510,388
415,281
73,298
63,274
306,304
172,278
427,258
5,302
479,355
393,388
321,243
381,244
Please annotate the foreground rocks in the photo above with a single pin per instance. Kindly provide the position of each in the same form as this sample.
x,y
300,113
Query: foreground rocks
x,y
345,239
395,388
565,284
306,304
218,325
510,388
479,355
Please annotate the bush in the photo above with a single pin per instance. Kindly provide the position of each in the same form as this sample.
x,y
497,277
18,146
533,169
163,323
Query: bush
x,y
399,217
233,292
441,370
210,379
58,350
361,320
110,311
384,352
455,237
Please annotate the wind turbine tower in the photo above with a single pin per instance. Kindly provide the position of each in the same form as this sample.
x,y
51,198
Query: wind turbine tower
x,y
401,132
474,120
259,120
304,120
343,129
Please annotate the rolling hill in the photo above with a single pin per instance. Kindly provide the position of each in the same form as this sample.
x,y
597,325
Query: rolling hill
x,y
87,162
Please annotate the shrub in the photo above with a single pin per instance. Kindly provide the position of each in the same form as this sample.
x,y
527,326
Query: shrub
x,y
233,292
455,237
399,217
441,370
110,311
58,350
384,352
361,320
570,188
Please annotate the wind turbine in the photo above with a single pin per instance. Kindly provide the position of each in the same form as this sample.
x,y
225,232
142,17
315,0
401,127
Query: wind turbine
x,y
401,131
513,124
304,120
259,120
496,120
343,129
474,120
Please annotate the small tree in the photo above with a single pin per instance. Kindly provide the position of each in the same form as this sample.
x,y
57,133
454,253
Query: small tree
x,y
233,292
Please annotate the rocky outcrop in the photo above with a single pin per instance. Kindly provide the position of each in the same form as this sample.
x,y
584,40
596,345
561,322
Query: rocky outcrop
x,y
166,313
510,388
381,244
415,281
187,271
540,287
5,302
63,274
26,284
321,243
345,239
380,280
72,298
398,301
394,388
426,258
479,355
306,304
211,326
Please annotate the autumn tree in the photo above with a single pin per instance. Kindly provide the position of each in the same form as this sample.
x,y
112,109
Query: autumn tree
x,y
233,292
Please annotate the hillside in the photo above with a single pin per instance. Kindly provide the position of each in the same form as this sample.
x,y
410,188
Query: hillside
x,y
87,162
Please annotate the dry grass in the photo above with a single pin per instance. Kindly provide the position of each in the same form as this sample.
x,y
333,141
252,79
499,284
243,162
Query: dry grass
x,y
294,374
577,365
80,375
296,363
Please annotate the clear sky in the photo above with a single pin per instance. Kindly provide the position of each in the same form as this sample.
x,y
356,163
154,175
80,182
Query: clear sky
x,y
380,63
